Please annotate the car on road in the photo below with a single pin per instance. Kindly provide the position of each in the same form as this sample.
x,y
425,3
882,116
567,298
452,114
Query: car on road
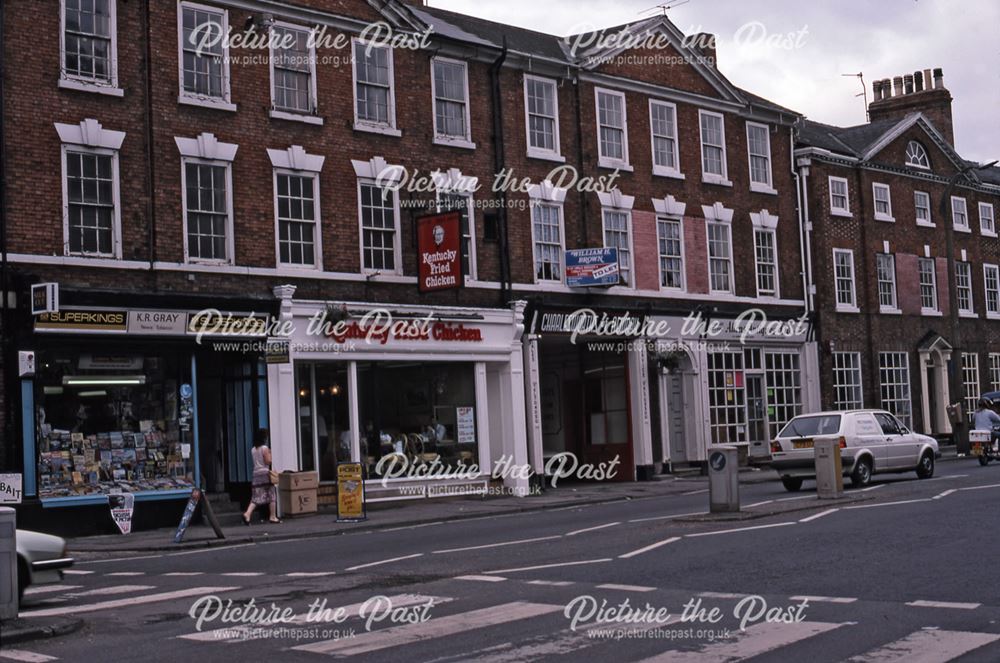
x,y
870,441
41,559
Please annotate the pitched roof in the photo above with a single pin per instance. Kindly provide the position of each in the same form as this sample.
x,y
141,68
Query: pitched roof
x,y
489,33
852,141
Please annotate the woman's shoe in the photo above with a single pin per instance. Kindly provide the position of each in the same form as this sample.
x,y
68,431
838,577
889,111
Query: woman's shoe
x,y
246,521
274,520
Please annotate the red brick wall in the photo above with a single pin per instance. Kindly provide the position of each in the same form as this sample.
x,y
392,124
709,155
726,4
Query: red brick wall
x,y
908,283
647,254
696,254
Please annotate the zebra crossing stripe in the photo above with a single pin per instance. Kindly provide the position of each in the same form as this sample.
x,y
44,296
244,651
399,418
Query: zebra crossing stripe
x,y
109,591
756,640
25,656
48,589
121,603
438,627
928,646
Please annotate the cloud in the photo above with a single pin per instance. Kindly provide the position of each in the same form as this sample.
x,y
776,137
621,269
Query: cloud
x,y
880,39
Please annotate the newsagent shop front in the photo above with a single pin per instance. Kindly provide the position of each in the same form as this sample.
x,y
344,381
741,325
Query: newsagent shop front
x,y
429,400
113,401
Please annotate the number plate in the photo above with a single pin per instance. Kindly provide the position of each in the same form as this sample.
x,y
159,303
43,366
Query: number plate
x,y
977,449
802,444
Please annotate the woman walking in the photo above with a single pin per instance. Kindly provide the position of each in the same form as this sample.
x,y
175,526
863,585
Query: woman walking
x,y
263,490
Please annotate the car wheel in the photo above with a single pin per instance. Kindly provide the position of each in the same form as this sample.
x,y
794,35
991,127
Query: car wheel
x,y
22,578
925,468
984,460
792,484
862,474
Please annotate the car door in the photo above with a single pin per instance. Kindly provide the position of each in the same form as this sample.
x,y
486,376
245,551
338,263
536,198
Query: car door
x,y
868,433
895,446
906,446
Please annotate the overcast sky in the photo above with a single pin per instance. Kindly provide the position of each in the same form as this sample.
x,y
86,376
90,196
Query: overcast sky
x,y
881,38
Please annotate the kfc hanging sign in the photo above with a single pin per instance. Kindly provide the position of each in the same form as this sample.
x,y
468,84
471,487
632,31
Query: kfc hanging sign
x,y
439,244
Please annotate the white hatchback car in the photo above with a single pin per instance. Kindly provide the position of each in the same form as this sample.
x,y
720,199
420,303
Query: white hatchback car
x,y
41,558
871,441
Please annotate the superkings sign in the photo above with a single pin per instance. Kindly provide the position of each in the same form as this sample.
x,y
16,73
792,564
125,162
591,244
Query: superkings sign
x,y
439,244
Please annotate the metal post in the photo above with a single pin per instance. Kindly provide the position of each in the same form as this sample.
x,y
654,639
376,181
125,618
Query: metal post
x,y
8,564
724,479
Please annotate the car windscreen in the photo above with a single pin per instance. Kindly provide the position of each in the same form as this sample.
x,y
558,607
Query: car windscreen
x,y
827,424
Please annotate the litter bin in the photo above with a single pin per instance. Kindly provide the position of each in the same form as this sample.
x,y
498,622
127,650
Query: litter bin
x,y
723,479
8,563
297,493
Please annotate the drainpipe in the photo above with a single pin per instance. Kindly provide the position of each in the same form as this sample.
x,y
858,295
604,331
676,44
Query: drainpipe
x,y
583,234
499,162
870,307
150,163
6,366
801,200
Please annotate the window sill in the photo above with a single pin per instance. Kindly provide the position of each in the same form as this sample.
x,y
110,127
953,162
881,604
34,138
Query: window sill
x,y
968,314
848,309
614,165
295,117
993,316
987,233
717,181
86,86
209,263
963,229
763,188
461,143
926,224
305,269
842,213
931,313
545,156
886,310
672,173
207,102
720,292
884,218
94,256
383,129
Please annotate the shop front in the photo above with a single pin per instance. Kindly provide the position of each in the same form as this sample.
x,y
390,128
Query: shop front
x,y
112,402
429,400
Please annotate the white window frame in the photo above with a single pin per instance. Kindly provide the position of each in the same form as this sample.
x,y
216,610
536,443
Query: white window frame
x,y
852,306
972,386
840,211
987,212
994,271
929,222
966,267
967,227
775,294
630,283
317,232
116,229
665,171
847,378
679,220
761,187
470,201
923,151
609,162
537,152
926,310
882,216
385,128
442,139
230,240
708,248
892,308
311,116
191,98
558,206
899,388
70,81
994,370
396,240
712,178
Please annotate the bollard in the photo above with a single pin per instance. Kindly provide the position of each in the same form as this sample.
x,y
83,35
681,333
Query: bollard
x,y
723,479
829,471
8,563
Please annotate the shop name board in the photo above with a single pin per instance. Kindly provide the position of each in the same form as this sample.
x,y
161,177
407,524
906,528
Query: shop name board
x,y
157,322
209,322
95,320
587,268
406,330
439,245
44,298
588,321
10,489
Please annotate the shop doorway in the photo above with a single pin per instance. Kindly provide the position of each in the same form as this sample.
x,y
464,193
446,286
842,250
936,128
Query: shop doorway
x,y
757,424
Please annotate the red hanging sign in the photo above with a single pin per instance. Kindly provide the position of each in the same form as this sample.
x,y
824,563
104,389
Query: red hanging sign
x,y
439,248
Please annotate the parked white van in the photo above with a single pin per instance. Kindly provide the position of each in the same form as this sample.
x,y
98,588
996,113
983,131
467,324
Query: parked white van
x,y
871,441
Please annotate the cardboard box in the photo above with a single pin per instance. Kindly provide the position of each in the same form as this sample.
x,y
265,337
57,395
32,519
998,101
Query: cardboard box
x,y
297,502
298,481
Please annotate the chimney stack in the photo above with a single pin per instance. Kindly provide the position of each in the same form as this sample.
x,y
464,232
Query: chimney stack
x,y
919,92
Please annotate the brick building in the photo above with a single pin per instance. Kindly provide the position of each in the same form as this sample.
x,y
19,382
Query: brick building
x,y
898,312
277,176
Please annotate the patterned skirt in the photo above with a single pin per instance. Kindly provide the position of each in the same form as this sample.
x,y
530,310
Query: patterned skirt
x,y
263,491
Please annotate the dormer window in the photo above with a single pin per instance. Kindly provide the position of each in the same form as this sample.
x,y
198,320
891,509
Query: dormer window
x,y
916,155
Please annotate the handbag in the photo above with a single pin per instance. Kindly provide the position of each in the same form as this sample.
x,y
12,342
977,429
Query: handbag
x,y
273,476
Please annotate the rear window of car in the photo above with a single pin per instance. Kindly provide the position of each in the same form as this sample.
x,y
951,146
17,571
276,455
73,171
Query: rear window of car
x,y
827,424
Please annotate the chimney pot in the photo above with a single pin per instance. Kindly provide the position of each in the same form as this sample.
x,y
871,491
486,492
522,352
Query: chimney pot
x,y
908,83
918,81
938,79
877,90
928,80
897,83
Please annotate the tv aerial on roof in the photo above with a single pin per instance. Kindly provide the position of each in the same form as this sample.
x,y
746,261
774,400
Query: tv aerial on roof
x,y
864,91
666,6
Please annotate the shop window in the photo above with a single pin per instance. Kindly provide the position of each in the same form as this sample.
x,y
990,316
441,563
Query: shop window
x,y
107,422
847,381
894,384
727,397
307,442
605,399
784,392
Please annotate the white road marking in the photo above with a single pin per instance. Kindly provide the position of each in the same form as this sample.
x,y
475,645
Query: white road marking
x,y
593,529
750,506
756,640
438,627
823,599
397,529
243,574
927,646
120,603
945,494
77,572
740,529
550,566
722,595
627,588
482,578
992,485
652,546
871,488
384,561
676,515
124,574
872,506
696,492
114,560
797,497
497,545
110,591
817,516
309,574
550,583
944,604
185,573
25,656
950,476
48,589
